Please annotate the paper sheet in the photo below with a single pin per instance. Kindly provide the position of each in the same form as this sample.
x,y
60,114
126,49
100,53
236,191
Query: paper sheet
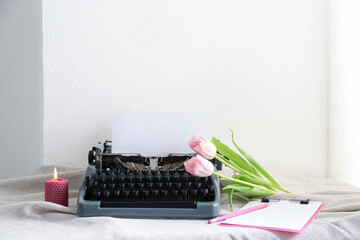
x,y
279,215
156,134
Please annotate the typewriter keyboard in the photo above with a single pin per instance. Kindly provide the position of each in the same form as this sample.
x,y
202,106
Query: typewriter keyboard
x,y
148,189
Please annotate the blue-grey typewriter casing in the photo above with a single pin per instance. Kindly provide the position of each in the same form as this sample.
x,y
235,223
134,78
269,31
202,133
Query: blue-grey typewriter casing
x,y
206,209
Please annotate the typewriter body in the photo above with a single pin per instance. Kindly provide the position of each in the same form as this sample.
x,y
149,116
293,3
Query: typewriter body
x,y
131,185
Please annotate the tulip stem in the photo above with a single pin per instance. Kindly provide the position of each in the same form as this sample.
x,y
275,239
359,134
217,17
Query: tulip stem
x,y
238,169
240,181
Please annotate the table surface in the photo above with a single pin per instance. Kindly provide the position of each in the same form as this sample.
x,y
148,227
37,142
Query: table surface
x,y
25,215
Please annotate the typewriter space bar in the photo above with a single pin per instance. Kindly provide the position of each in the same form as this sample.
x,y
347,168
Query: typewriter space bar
x,y
154,204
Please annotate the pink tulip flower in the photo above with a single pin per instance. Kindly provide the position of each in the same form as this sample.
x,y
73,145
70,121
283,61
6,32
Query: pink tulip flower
x,y
199,166
203,147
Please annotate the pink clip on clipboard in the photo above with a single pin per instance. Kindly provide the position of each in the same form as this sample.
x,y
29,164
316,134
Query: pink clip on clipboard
x,y
279,216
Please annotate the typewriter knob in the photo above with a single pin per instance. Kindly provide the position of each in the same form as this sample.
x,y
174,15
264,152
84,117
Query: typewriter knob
x,y
92,157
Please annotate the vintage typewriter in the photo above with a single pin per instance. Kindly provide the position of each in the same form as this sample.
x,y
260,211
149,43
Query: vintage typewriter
x,y
131,185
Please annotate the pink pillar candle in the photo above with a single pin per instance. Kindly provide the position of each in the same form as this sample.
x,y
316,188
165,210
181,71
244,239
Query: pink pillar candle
x,y
57,191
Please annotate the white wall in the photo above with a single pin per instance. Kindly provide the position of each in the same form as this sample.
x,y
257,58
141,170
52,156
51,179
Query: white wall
x,y
258,67
344,143
20,87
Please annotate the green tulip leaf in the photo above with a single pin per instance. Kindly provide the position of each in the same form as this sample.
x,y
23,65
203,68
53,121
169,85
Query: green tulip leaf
x,y
254,163
233,156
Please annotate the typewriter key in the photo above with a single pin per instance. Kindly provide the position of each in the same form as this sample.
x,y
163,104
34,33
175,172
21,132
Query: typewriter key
x,y
188,184
103,177
176,177
112,177
130,185
162,171
106,194
181,171
168,184
145,193
140,185
148,178
126,193
139,177
171,172
154,172
121,177
193,192
186,177
144,171
135,193
96,194
174,193
158,177
116,193
149,184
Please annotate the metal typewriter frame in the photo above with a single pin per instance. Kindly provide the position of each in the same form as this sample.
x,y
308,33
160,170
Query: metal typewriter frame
x,y
207,209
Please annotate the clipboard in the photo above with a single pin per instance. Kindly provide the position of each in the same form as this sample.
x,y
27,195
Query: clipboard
x,y
281,215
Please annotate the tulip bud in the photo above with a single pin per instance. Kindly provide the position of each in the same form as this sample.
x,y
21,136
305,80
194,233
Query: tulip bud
x,y
203,147
199,166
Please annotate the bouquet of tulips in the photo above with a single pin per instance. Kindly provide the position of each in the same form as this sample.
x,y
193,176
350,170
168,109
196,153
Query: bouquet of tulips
x,y
250,178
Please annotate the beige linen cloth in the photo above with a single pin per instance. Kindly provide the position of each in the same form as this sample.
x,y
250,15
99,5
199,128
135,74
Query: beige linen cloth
x,y
25,215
